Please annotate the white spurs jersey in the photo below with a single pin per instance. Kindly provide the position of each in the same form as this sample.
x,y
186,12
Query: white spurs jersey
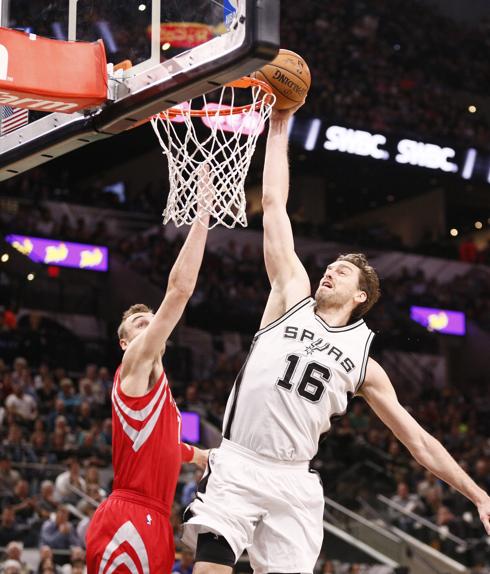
x,y
299,373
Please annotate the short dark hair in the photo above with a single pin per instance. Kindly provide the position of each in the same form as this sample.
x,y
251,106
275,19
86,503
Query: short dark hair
x,y
138,308
368,282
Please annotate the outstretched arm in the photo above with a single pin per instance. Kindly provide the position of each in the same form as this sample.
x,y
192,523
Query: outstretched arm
x,y
288,278
150,344
427,451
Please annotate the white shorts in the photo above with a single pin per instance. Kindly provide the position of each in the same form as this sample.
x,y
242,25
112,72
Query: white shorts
x,y
272,509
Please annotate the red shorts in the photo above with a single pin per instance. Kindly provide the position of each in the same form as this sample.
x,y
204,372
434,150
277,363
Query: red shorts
x,y
130,534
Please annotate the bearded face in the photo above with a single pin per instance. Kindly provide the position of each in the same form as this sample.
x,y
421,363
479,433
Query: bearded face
x,y
339,287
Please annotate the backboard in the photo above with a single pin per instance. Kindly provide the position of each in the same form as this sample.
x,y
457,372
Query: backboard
x,y
178,49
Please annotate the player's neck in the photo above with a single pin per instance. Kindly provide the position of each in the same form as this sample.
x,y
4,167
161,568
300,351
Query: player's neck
x,y
334,316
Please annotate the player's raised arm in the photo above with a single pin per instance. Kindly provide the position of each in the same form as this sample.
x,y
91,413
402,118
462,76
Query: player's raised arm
x,y
288,278
427,451
144,349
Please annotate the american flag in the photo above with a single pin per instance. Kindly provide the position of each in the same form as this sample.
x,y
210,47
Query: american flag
x,y
12,118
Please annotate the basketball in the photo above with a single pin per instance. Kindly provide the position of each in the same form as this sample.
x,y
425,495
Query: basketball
x,y
289,76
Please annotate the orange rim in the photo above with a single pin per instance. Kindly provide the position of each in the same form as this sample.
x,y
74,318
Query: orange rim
x,y
245,82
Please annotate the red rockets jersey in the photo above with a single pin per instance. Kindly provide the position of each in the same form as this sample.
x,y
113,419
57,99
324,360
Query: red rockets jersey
x,y
146,449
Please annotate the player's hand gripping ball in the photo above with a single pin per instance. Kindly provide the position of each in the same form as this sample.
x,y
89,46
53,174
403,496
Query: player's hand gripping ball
x,y
289,76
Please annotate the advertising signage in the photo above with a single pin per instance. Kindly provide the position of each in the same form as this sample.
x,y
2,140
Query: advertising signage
x,y
191,427
320,135
439,320
62,253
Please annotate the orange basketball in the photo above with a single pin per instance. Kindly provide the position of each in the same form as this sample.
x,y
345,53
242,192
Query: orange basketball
x,y
289,76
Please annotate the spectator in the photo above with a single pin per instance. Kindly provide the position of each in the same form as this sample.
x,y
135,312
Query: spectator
x,y
78,567
61,427
58,533
77,562
68,394
59,410
68,480
46,503
20,364
447,522
9,529
104,438
47,395
39,445
8,476
21,406
16,448
46,561
13,552
92,477
409,502
12,567
84,417
23,505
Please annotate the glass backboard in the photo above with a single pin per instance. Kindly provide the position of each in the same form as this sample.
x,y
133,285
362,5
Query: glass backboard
x,y
173,50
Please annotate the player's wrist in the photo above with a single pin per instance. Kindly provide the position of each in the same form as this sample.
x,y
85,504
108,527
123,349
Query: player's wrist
x,y
481,498
279,121
188,452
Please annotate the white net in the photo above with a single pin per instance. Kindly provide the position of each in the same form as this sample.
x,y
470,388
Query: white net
x,y
208,164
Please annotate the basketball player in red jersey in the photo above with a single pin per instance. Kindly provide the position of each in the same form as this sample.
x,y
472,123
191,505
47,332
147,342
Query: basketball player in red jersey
x,y
130,532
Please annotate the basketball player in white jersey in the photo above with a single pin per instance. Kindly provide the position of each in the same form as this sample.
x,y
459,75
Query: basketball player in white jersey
x,y
308,358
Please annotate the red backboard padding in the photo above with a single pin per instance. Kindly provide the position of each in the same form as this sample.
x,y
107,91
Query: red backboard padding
x,y
51,75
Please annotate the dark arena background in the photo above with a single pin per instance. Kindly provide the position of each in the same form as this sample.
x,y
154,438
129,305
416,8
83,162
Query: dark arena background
x,y
389,156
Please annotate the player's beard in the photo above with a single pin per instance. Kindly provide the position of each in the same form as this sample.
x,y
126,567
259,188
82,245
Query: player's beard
x,y
329,298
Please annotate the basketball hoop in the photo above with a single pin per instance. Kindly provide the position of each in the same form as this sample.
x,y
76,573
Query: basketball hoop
x,y
223,148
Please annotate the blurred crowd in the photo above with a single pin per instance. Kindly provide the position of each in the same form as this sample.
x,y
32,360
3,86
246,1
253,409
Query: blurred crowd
x,y
234,278
55,427
391,66
55,455
361,459
33,215
55,452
